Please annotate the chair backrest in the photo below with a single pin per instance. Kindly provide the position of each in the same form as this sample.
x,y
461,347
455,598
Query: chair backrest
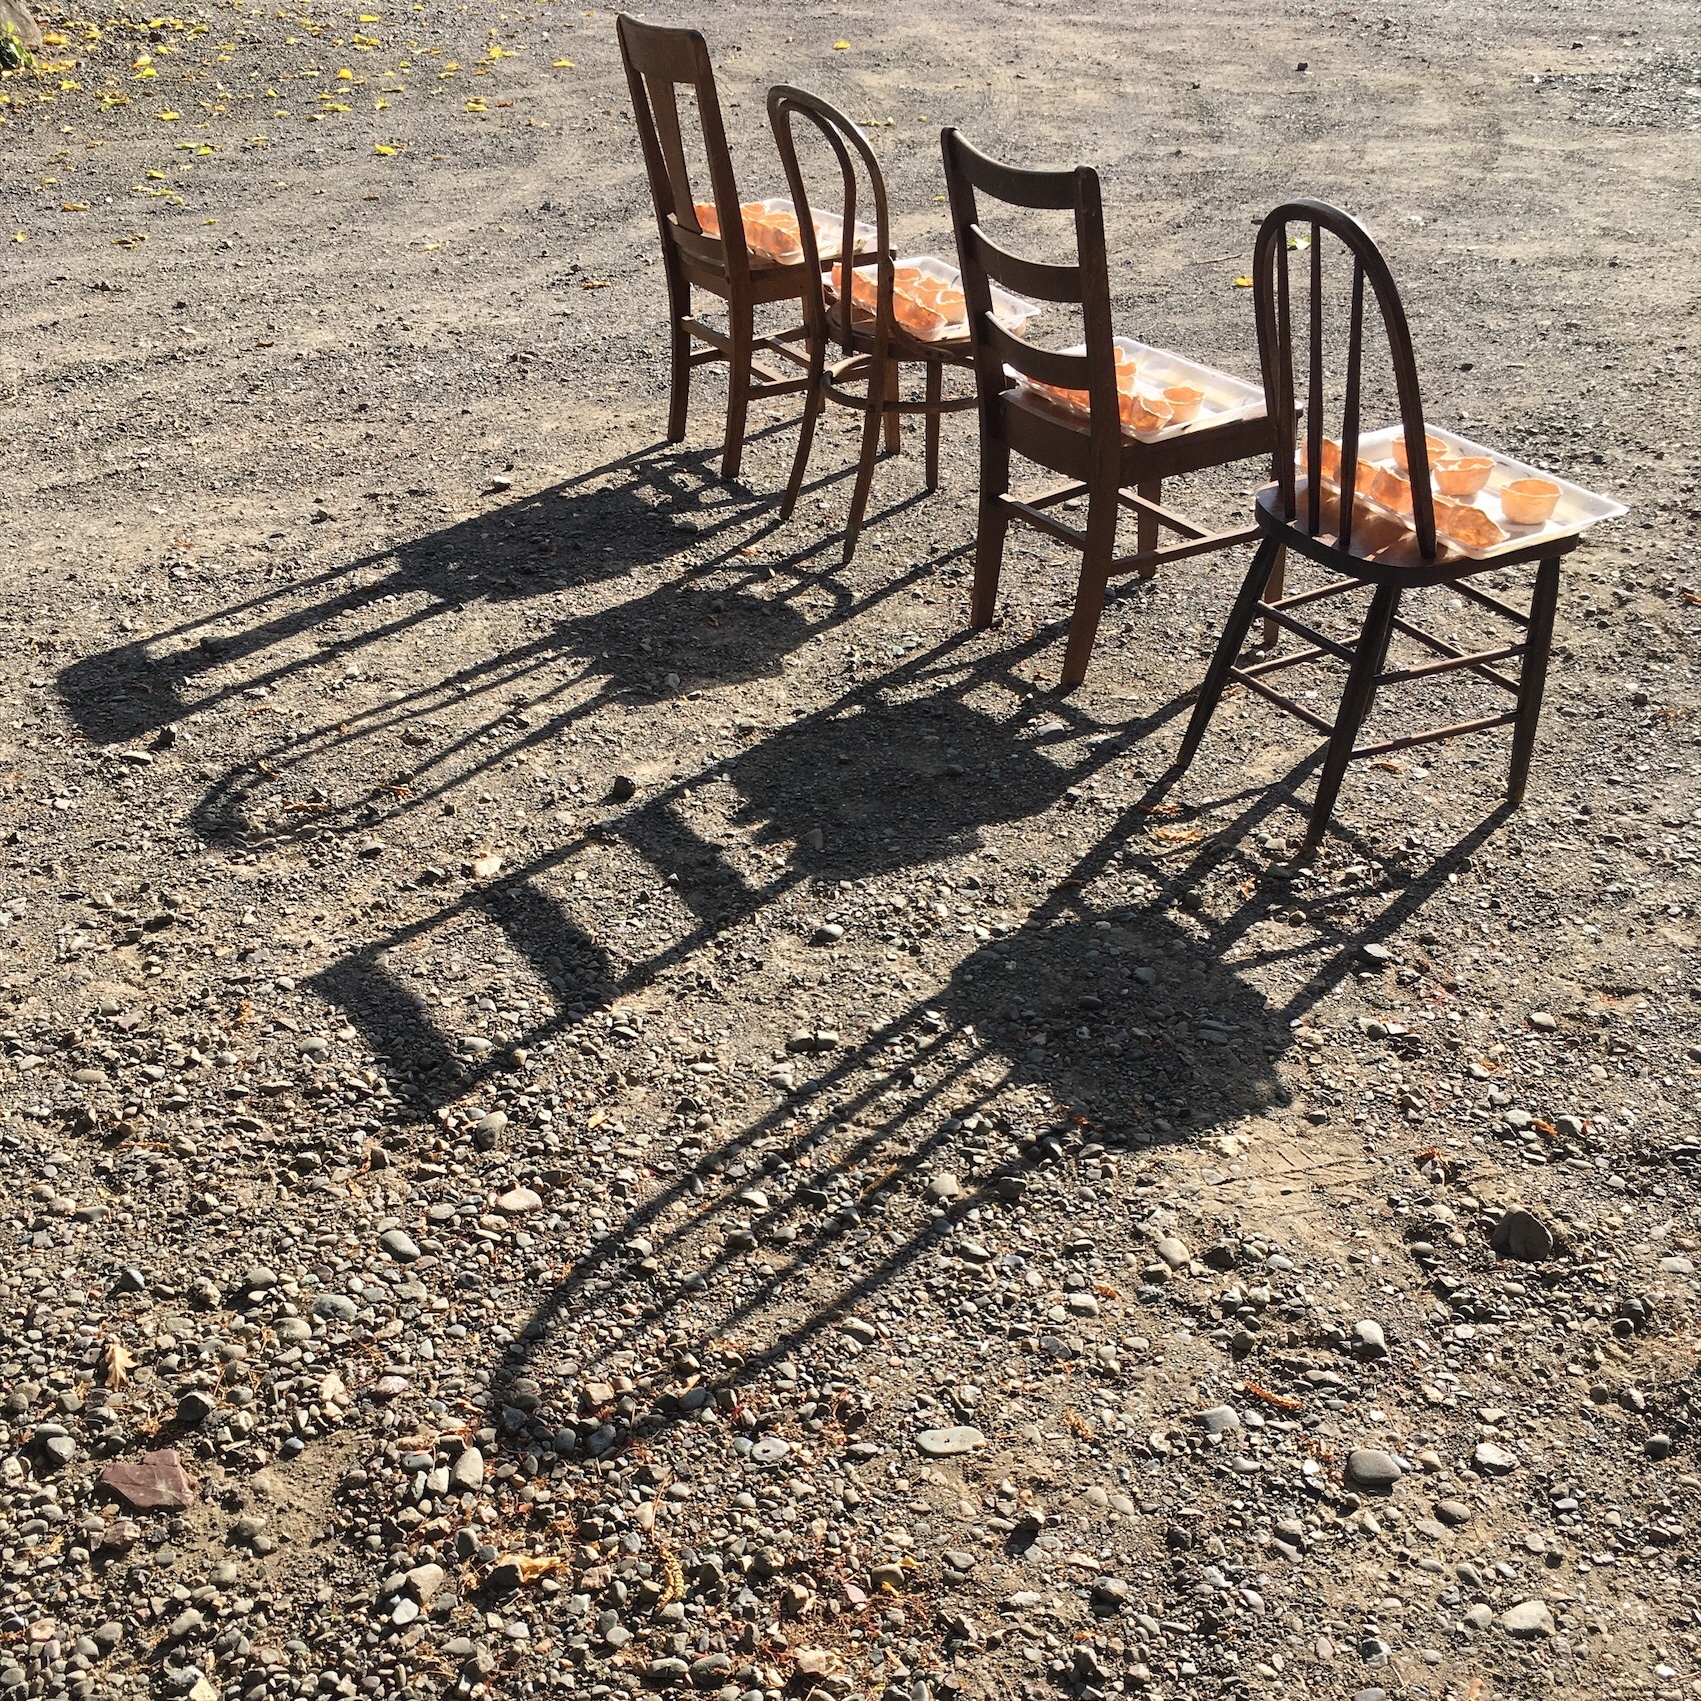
x,y
850,148
659,62
1084,285
1272,302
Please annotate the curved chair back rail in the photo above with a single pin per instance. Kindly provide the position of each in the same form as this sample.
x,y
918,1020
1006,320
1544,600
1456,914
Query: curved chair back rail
x,y
1273,307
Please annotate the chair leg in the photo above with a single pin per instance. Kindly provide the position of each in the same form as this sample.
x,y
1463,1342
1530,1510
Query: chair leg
x,y
1090,591
742,321
814,400
679,397
1356,699
1228,651
894,420
873,413
1273,589
1146,525
1532,681
935,390
992,523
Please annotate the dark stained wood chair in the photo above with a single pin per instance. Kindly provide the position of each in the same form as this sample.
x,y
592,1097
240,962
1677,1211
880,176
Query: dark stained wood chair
x,y
1111,468
1359,547
659,63
874,344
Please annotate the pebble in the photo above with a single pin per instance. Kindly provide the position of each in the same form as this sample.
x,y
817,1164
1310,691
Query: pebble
x,y
1218,1420
1371,1340
519,1202
1173,1252
399,1245
1452,1511
1522,1235
944,1187
1371,1468
466,1474
1494,1459
948,1443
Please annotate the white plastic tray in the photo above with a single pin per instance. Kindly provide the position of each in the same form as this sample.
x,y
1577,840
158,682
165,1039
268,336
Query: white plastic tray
x,y
1576,510
829,232
1011,311
1227,398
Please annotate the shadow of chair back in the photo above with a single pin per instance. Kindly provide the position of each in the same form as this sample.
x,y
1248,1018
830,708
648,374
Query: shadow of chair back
x,y
1084,285
1272,300
857,168
659,63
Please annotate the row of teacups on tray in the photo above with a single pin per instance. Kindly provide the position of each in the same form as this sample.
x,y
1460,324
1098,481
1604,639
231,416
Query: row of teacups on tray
x,y
1485,503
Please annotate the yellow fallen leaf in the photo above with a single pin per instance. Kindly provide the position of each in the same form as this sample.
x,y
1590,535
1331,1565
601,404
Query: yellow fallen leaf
x,y
384,149
209,221
74,207
1243,283
53,39
146,71
370,18
562,64
528,1567
116,1365
345,75
841,46
167,117
21,236
156,176
476,105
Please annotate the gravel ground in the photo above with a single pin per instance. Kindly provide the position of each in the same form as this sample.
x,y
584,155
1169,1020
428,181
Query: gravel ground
x,y
597,1102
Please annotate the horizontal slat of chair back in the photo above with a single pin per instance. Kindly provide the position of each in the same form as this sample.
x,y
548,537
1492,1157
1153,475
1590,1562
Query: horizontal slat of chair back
x,y
1043,365
1018,185
1273,308
1037,278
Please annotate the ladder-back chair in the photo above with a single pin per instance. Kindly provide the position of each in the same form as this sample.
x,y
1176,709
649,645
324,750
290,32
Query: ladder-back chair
x,y
1364,548
874,341
1106,464
659,63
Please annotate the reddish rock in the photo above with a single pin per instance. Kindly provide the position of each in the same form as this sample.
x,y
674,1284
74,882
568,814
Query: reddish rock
x,y
154,1482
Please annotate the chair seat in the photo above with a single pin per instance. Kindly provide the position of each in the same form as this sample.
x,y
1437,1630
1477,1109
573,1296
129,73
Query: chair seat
x,y
953,349
1062,440
1383,550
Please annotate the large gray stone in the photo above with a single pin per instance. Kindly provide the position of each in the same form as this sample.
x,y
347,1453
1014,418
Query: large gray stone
x,y
1527,1620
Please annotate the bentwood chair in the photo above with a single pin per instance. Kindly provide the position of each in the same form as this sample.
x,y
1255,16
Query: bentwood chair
x,y
1328,521
861,312
1108,465
659,63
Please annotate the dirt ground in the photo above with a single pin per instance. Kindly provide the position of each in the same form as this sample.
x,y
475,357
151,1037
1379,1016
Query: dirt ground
x,y
551,1029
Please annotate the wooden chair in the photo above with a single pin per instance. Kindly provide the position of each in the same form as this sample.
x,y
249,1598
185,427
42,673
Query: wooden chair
x,y
1362,549
1104,463
659,62
875,345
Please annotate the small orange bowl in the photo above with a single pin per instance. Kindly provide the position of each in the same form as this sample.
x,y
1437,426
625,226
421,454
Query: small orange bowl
x,y
1391,489
1530,501
1184,401
1464,477
1433,445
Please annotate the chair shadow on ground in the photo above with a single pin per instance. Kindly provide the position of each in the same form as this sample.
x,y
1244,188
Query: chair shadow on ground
x,y
1083,1026
645,509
